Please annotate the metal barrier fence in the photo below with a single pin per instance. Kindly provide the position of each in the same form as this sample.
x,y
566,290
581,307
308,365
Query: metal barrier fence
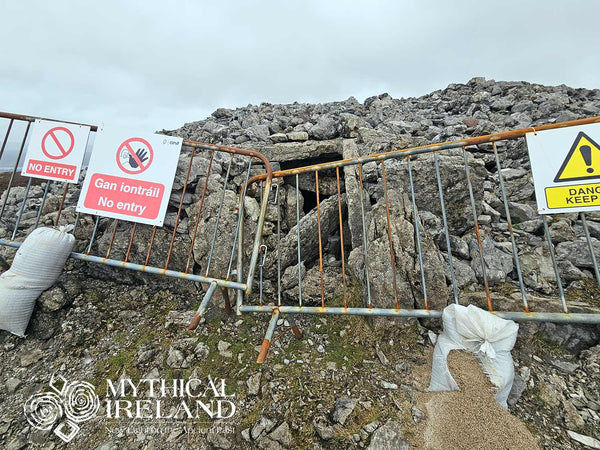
x,y
209,225
429,156
201,248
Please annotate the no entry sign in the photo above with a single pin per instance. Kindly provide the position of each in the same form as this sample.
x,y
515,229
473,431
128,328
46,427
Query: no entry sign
x,y
55,151
566,168
130,176
135,161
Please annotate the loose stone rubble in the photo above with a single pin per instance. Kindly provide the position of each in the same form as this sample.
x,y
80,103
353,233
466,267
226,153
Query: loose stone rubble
x,y
349,382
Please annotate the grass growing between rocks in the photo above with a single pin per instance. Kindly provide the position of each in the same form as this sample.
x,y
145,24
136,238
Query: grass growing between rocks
x,y
124,360
130,340
300,380
585,290
348,366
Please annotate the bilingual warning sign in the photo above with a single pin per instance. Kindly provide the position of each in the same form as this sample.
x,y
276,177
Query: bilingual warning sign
x,y
565,163
130,176
55,151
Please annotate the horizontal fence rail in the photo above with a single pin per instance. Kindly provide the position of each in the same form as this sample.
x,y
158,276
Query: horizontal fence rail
x,y
394,176
205,217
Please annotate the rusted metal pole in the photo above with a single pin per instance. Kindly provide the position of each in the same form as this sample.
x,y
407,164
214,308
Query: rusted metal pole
x,y
337,175
264,349
477,233
203,306
187,177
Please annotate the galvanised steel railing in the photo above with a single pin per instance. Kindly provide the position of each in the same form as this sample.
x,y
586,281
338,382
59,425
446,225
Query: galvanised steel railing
x,y
139,252
148,259
407,157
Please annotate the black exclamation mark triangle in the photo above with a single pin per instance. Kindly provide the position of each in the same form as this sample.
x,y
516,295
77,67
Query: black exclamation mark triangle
x,y
586,153
586,150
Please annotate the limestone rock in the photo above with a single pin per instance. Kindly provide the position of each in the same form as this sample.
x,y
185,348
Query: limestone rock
x,y
262,426
498,263
389,437
343,408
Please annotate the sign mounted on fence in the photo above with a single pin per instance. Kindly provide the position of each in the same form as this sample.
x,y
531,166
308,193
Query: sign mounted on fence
x,y
130,177
55,151
565,163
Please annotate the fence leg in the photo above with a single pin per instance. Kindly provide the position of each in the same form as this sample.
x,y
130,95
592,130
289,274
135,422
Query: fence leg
x,y
202,308
226,301
294,325
264,349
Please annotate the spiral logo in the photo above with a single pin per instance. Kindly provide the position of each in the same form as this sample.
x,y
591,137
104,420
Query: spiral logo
x,y
69,404
81,401
43,410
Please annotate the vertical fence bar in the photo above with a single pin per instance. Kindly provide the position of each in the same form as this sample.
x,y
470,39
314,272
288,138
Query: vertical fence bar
x,y
337,174
150,245
298,240
320,244
187,267
214,239
240,255
554,265
510,228
239,222
278,243
39,214
185,183
264,203
10,124
112,239
12,175
95,229
261,264
389,225
364,235
21,209
446,231
590,246
474,209
417,233
75,224
62,203
130,241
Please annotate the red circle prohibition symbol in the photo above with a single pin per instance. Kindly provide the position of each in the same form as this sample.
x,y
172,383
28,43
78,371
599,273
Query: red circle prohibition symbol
x,y
57,147
134,155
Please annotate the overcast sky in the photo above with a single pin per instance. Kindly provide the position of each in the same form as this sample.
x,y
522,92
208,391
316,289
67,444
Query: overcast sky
x,y
158,64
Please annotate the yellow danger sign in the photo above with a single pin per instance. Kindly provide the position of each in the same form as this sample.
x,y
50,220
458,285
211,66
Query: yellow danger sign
x,y
582,161
573,196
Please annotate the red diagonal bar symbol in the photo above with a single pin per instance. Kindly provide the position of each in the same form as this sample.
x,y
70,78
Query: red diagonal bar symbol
x,y
58,144
134,156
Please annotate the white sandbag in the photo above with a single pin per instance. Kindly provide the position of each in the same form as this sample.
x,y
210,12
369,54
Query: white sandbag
x,y
477,331
36,266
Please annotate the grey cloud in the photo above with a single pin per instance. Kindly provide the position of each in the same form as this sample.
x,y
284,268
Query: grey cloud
x,y
159,64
